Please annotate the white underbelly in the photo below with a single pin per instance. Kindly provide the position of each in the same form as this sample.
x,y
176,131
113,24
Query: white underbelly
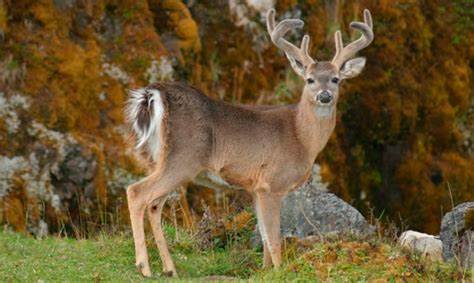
x,y
214,181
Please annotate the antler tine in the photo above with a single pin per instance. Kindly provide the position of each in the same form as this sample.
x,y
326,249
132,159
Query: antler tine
x,y
345,53
305,46
277,32
271,21
338,43
368,18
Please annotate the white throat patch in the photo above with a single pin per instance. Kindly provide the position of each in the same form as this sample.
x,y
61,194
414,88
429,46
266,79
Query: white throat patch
x,y
323,111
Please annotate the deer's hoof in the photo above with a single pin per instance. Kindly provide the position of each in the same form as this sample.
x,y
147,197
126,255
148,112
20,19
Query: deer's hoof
x,y
143,269
170,273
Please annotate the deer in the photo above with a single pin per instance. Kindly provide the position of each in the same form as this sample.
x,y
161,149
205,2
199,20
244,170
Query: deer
x,y
267,151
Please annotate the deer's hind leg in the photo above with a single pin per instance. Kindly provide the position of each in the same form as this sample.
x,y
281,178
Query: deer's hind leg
x,y
154,216
150,194
136,198
174,176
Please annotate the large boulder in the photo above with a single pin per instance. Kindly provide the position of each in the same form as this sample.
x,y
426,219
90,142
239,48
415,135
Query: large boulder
x,y
427,245
312,210
457,234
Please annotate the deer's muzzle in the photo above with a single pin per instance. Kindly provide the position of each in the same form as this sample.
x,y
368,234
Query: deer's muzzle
x,y
325,97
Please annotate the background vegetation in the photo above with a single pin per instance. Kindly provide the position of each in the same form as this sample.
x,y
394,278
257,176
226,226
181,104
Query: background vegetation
x,y
403,145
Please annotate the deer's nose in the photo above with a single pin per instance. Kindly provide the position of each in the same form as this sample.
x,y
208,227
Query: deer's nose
x,y
325,97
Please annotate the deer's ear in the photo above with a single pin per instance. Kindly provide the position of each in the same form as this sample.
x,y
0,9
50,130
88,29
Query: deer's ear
x,y
352,68
297,65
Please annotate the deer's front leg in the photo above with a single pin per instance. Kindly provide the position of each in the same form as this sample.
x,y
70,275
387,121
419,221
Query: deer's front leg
x,y
268,215
267,259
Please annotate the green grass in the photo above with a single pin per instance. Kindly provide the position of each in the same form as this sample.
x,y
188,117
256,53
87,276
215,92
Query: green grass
x,y
111,258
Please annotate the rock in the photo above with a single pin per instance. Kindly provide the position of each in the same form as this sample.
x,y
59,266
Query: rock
x,y
466,252
428,245
78,166
457,235
312,211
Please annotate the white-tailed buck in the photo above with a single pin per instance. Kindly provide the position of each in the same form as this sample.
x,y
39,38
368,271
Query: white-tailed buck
x,y
267,151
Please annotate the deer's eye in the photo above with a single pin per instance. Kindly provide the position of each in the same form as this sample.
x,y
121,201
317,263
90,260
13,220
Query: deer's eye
x,y
335,80
310,81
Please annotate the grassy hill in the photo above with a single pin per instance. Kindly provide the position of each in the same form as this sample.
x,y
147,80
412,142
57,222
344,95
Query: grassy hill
x,y
111,258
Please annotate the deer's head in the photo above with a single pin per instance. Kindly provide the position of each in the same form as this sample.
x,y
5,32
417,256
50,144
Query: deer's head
x,y
322,78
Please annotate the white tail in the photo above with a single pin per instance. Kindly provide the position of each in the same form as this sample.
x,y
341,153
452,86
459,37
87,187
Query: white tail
x,y
145,112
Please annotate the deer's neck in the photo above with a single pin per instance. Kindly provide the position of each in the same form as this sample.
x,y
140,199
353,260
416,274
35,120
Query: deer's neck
x,y
313,131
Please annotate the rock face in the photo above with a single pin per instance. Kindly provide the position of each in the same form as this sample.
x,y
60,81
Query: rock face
x,y
311,210
66,65
457,234
428,245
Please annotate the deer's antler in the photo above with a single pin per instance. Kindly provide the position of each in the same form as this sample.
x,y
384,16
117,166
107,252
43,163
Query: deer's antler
x,y
298,57
345,53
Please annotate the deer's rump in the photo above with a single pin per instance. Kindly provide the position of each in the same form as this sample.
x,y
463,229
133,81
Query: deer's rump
x,y
153,111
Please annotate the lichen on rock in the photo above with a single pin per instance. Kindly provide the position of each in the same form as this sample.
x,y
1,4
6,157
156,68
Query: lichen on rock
x,y
160,70
8,108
